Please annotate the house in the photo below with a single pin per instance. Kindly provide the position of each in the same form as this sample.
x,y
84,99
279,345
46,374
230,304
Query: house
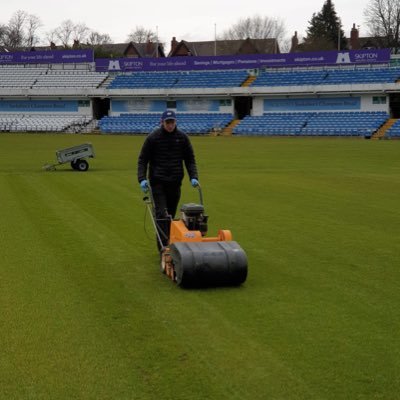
x,y
354,43
131,50
223,47
357,42
107,50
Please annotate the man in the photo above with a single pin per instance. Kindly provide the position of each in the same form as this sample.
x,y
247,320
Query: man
x,y
164,151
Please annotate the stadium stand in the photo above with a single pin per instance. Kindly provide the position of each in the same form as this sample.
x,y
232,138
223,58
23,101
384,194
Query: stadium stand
x,y
65,97
295,77
273,124
201,123
185,79
43,123
76,79
345,123
313,123
148,80
394,130
289,78
212,79
16,76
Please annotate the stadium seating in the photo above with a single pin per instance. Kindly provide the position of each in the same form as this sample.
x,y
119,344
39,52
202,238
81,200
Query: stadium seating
x,y
57,77
140,80
43,123
290,78
313,124
370,75
345,123
336,76
69,79
144,123
273,124
394,130
183,79
211,79
16,76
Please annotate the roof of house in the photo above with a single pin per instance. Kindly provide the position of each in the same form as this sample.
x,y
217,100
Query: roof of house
x,y
226,47
370,42
130,49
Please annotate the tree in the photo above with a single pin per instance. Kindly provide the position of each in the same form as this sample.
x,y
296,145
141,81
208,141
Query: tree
x,y
325,30
255,27
97,39
383,20
64,32
3,35
80,32
142,35
69,32
21,30
15,29
33,23
51,36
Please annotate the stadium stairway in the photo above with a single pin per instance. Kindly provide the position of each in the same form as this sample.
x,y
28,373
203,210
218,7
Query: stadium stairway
x,y
380,133
227,131
249,81
107,81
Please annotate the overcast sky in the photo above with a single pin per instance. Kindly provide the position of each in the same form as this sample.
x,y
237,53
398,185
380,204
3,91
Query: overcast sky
x,y
185,19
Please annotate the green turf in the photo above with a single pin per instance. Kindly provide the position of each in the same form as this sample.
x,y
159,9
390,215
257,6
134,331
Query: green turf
x,y
86,314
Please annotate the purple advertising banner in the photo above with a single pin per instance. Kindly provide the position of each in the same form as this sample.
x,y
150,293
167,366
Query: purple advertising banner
x,y
380,56
47,57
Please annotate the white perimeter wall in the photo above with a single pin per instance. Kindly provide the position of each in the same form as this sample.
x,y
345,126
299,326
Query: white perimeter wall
x,y
369,102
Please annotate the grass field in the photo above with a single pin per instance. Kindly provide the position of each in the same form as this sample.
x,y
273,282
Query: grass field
x,y
86,314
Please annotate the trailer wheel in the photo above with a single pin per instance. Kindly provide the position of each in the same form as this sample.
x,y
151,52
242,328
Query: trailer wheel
x,y
73,164
81,165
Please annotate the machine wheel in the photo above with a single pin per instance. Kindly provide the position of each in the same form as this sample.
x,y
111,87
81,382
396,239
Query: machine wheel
x,y
82,165
73,164
166,265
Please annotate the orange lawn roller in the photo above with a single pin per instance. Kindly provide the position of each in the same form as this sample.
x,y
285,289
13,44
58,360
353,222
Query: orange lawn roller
x,y
191,259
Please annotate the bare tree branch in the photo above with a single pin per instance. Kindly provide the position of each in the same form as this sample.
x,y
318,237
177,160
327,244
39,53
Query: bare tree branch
x,y
33,24
16,34
80,32
383,20
64,32
142,35
96,38
256,27
3,34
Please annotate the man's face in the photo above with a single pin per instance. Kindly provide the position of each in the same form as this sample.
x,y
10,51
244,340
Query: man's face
x,y
169,125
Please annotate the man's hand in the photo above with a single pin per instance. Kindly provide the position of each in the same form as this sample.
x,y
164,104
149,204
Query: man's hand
x,y
194,182
144,186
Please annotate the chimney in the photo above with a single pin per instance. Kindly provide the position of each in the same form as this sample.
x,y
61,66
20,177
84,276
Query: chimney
x,y
295,43
354,42
174,44
149,48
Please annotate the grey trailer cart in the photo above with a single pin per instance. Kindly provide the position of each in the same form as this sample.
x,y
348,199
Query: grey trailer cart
x,y
75,155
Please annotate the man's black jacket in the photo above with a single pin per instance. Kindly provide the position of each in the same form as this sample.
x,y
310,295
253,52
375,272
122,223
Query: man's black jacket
x,y
165,152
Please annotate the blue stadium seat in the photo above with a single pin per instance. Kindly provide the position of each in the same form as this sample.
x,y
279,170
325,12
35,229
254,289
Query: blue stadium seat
x,y
191,123
313,123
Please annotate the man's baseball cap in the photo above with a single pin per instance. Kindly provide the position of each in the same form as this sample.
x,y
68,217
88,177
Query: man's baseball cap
x,y
168,114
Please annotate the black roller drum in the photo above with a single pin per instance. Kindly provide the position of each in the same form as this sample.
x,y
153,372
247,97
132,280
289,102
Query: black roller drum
x,y
208,264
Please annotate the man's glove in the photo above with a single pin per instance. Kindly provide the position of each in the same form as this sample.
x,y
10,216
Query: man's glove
x,y
194,182
144,186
